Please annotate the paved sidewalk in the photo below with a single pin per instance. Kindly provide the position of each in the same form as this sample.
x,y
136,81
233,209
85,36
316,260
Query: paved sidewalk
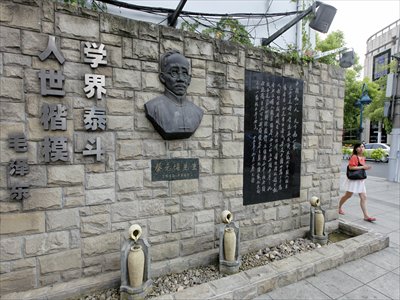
x,y
375,276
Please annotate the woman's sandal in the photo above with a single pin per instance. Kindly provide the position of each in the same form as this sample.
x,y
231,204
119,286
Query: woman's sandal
x,y
341,211
370,219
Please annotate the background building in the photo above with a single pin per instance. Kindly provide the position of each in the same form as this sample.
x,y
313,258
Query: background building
x,y
380,47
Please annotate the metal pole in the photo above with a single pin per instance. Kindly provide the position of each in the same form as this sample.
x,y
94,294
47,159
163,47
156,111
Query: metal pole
x,y
173,18
394,155
300,16
361,117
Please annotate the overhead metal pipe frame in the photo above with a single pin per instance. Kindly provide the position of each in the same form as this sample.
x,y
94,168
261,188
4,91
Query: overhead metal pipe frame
x,y
173,17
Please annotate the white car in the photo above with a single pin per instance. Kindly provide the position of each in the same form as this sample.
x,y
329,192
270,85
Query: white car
x,y
370,147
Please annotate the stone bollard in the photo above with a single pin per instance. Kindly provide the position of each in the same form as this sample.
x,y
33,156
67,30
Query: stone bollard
x,y
317,232
229,245
135,266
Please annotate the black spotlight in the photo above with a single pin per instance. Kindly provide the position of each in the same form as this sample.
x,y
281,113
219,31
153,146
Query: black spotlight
x,y
347,59
323,18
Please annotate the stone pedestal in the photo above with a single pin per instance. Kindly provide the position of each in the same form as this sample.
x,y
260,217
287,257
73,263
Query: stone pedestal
x,y
129,293
320,239
229,267
126,291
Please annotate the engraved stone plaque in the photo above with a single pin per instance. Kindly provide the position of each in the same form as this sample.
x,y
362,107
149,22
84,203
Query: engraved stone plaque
x,y
272,142
174,169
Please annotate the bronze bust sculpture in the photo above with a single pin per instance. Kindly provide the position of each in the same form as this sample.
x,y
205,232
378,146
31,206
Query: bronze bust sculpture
x,y
172,115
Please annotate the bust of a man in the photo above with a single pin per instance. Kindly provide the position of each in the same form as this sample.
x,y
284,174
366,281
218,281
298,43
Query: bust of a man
x,y
172,115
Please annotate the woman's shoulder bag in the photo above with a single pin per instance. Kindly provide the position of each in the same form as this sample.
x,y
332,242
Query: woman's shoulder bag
x,y
356,174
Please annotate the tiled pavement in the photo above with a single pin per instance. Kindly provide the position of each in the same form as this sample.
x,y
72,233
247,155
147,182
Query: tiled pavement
x,y
375,276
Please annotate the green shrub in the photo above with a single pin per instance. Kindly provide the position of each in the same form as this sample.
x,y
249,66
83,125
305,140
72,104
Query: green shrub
x,y
347,151
377,154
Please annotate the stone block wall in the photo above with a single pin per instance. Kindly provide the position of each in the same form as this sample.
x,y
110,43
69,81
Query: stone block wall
x,y
76,218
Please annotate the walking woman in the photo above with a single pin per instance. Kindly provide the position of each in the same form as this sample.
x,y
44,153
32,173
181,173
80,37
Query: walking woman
x,y
357,162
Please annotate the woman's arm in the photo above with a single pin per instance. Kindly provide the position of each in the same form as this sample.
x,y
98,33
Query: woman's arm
x,y
353,164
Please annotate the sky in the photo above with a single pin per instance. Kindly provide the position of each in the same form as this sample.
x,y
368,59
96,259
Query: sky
x,y
360,19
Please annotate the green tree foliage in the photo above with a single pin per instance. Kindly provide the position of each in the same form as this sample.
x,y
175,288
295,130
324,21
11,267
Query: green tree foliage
x,y
351,95
374,111
334,40
191,27
231,30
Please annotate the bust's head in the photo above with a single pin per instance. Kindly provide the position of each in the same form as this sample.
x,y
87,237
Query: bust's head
x,y
175,72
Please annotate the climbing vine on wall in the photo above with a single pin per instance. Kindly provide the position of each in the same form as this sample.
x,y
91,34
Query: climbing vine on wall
x,y
90,4
225,29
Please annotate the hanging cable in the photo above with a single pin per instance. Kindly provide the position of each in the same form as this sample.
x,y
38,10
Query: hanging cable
x,y
153,10
212,19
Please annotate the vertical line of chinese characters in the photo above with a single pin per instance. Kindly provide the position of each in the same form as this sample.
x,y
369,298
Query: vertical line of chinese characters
x,y
53,116
94,117
18,167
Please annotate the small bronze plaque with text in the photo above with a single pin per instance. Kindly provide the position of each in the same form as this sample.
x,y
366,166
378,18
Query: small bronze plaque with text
x,y
174,169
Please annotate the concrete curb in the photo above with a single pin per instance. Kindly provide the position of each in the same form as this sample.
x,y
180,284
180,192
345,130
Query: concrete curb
x,y
260,280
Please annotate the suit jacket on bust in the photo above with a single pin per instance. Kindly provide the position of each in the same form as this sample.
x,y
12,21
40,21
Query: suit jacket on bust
x,y
173,117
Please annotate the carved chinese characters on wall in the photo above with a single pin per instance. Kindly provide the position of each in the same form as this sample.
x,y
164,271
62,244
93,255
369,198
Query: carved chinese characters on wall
x,y
18,167
51,81
272,146
94,83
174,169
18,142
95,117
94,55
93,147
53,117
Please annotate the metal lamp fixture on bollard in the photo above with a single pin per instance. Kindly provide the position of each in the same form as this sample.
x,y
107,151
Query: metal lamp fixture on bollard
x,y
346,56
364,100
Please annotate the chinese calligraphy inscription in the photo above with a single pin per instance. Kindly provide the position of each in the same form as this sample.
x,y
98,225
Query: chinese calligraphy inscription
x,y
93,147
54,115
95,84
19,192
272,146
55,148
52,48
94,54
95,118
18,167
174,169
51,83
18,142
